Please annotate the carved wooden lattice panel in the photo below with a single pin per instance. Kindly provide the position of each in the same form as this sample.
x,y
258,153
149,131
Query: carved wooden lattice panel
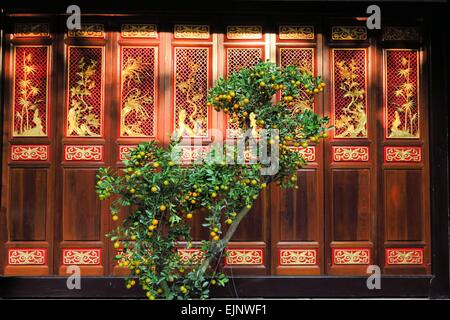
x,y
191,82
401,90
85,91
30,91
349,93
303,58
238,58
138,91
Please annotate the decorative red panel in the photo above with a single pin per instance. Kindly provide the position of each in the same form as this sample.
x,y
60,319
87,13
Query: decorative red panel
x,y
29,152
350,153
83,153
404,256
124,151
191,83
401,92
188,256
346,256
236,59
89,256
30,102
190,154
309,153
85,91
27,256
31,30
244,257
297,257
402,154
244,32
349,93
138,91
303,58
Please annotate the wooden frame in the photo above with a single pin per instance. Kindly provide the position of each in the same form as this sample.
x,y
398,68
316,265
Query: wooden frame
x,y
411,285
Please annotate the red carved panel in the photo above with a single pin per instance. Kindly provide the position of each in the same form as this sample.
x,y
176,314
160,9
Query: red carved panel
x,y
349,256
244,257
236,59
350,154
349,91
402,154
124,151
138,91
29,152
190,154
27,256
190,256
191,83
303,58
309,153
404,256
83,153
30,95
401,92
85,81
90,256
297,257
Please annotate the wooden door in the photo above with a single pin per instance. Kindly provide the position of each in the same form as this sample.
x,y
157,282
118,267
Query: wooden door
x,y
79,100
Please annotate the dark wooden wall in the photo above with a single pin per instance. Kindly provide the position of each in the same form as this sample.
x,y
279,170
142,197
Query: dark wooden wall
x,y
357,205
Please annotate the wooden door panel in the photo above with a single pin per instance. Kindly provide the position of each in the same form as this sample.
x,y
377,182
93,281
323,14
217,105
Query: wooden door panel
x,y
351,205
28,204
403,205
81,219
299,209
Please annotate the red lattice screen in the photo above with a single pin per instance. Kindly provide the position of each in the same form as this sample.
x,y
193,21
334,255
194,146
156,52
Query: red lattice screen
x,y
402,111
349,93
85,91
238,58
30,91
191,77
138,92
303,58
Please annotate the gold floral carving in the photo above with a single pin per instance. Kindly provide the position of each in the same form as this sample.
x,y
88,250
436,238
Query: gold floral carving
x,y
134,101
350,153
29,152
406,91
244,32
354,119
403,154
401,34
80,116
191,124
189,31
87,31
29,102
298,257
83,153
244,257
81,256
351,256
349,33
190,256
296,32
139,31
31,256
125,150
31,30
402,256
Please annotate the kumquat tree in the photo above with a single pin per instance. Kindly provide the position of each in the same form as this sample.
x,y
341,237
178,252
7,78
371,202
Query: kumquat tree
x,y
162,194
